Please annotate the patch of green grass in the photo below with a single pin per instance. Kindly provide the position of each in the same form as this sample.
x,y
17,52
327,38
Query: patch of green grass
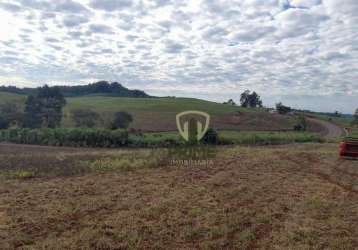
x,y
151,114
12,98
127,162
339,121
155,139
226,137
355,132
254,137
19,174
134,105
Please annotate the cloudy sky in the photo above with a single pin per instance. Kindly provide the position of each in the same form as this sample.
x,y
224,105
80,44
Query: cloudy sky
x,y
301,52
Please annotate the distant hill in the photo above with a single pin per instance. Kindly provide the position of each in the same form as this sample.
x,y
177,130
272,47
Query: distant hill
x,y
98,88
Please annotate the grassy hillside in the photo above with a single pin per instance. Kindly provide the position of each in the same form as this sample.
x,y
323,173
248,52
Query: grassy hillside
x,y
158,114
12,98
339,121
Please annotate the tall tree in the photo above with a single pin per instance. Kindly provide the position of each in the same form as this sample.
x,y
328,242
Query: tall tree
x,y
32,117
45,108
250,100
254,100
244,98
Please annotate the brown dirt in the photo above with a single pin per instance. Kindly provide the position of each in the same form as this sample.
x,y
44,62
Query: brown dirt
x,y
277,197
253,121
250,121
326,129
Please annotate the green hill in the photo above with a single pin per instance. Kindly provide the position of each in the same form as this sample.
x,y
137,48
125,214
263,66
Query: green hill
x,y
101,87
158,114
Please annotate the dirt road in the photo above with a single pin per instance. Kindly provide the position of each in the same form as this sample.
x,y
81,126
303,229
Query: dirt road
x,y
327,129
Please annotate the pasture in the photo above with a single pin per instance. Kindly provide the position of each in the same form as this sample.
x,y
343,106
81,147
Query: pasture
x,y
158,114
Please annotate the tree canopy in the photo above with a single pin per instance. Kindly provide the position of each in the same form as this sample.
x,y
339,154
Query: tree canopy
x,y
101,87
44,109
250,100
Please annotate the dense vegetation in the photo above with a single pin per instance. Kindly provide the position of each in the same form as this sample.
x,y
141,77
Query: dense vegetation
x,y
66,137
44,108
102,87
90,137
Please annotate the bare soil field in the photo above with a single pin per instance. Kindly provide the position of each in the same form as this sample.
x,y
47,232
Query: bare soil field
x,y
274,197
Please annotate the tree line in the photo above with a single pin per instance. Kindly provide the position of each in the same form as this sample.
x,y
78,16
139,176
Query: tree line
x,y
101,87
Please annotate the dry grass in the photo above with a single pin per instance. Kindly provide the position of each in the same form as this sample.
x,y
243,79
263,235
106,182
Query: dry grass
x,y
277,197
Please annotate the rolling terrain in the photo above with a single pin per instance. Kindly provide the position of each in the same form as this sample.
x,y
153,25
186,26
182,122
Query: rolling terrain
x,y
158,114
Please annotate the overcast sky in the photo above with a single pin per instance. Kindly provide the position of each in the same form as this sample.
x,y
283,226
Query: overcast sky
x,y
301,52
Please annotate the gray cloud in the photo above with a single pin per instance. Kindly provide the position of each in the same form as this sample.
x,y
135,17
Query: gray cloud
x,y
10,7
100,28
213,48
74,20
65,6
110,5
173,47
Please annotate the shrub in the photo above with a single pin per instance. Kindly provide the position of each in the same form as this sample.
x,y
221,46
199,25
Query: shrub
x,y
211,137
121,120
301,123
4,123
84,117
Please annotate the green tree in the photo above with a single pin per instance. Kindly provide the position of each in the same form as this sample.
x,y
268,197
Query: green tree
x,y
85,118
11,113
211,136
301,123
244,98
32,116
121,120
250,100
45,108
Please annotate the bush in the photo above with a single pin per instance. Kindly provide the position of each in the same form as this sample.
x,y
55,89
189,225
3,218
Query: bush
x,y
121,120
4,123
211,137
84,118
66,137
301,123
